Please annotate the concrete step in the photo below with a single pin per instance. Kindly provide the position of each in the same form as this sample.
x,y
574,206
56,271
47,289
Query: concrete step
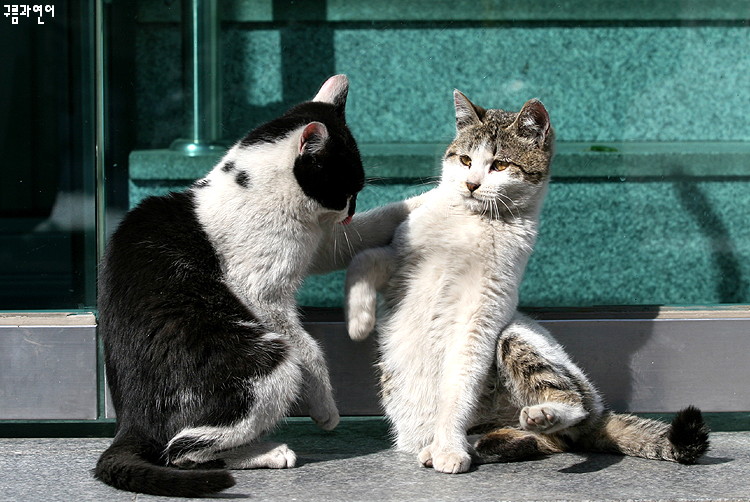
x,y
355,463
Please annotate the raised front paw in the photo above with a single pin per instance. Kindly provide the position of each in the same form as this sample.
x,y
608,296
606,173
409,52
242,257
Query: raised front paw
x,y
447,461
550,417
325,415
361,306
360,324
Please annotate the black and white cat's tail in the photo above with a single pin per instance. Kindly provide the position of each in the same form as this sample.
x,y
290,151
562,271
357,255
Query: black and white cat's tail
x,y
125,466
684,440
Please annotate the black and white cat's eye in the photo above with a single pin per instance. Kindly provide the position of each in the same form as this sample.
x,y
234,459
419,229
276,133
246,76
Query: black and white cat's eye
x,y
465,160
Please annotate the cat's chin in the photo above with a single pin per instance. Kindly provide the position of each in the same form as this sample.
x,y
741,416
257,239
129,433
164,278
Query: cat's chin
x,y
334,219
474,204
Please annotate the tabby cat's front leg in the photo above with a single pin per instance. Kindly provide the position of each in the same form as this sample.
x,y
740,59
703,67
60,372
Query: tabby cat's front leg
x,y
468,361
368,273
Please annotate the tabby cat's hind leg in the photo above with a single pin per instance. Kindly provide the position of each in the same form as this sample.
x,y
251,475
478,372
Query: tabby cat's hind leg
x,y
552,392
513,445
554,396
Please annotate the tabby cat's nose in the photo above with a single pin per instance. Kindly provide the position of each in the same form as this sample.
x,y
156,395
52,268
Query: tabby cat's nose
x,y
472,186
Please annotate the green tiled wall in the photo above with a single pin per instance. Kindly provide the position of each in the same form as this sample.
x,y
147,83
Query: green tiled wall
x,y
661,219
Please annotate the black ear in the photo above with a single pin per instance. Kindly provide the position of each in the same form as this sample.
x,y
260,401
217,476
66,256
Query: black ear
x,y
334,91
313,138
533,122
467,113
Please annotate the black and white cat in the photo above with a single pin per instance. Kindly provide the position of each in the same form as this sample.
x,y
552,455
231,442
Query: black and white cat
x,y
203,344
455,354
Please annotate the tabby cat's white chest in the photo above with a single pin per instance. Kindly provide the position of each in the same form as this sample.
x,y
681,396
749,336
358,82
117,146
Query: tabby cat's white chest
x,y
446,229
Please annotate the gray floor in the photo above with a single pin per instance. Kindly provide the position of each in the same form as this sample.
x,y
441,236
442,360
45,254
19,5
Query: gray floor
x,y
355,463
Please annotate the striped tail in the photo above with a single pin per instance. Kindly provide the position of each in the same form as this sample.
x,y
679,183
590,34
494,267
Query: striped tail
x,y
683,441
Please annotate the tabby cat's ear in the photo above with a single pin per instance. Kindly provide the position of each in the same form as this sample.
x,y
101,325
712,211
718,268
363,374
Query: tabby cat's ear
x,y
467,113
533,122
313,138
334,91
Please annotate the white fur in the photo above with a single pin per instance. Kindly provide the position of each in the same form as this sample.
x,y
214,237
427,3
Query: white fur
x,y
550,417
273,396
459,259
265,235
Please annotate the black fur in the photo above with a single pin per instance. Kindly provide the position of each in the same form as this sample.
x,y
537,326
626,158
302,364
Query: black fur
x,y
181,350
242,179
689,435
169,323
130,464
343,176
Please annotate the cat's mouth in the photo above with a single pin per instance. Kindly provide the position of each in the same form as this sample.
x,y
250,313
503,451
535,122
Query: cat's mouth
x,y
351,203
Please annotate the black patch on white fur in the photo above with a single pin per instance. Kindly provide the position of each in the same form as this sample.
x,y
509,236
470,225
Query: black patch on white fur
x,y
180,349
333,174
242,179
228,166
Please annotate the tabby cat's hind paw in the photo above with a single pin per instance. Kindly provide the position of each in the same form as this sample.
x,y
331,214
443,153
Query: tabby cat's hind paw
x,y
551,417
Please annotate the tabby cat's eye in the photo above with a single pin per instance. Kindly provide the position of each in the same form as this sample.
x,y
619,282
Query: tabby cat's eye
x,y
499,165
465,160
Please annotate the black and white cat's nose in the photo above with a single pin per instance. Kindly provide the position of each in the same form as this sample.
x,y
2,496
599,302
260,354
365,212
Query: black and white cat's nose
x,y
472,186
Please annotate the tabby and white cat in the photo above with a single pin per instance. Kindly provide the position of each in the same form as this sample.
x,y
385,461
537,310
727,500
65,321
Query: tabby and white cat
x,y
454,352
203,344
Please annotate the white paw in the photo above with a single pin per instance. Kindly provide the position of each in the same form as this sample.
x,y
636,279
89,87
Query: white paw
x,y
327,416
550,417
447,461
281,457
260,456
361,305
425,456
361,325
537,418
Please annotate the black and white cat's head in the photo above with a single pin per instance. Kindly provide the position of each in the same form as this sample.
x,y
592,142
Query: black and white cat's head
x,y
306,160
499,161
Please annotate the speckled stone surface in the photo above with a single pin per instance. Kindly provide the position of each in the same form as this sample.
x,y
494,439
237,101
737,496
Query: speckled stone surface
x,y
662,220
601,83
652,226
355,463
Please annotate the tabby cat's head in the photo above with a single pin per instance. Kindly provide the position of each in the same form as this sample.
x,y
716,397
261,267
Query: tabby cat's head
x,y
499,161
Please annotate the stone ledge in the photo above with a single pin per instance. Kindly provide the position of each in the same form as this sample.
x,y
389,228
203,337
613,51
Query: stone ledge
x,y
44,319
264,11
414,161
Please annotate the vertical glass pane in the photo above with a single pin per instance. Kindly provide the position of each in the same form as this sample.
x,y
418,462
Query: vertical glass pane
x,y
651,184
47,239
